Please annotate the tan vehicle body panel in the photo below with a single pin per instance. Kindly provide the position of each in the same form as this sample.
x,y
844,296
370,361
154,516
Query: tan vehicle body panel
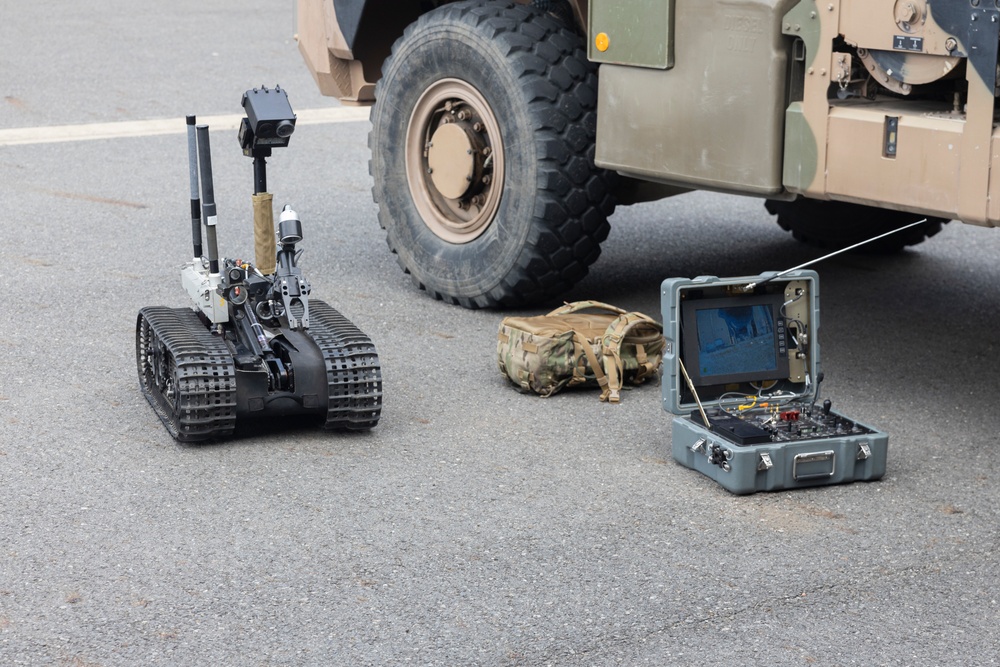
x,y
740,97
325,50
942,166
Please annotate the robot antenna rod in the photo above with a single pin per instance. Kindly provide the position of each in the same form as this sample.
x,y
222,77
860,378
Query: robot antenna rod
x,y
208,198
195,197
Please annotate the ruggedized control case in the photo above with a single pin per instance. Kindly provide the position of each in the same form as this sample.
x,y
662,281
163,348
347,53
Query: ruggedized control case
x,y
741,374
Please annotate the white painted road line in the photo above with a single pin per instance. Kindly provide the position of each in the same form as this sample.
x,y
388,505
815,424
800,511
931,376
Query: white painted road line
x,y
150,128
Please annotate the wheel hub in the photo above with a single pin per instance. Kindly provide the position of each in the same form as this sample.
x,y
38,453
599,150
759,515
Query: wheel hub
x,y
454,161
454,157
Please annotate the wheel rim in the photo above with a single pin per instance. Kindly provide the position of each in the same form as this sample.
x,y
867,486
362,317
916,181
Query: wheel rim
x,y
454,161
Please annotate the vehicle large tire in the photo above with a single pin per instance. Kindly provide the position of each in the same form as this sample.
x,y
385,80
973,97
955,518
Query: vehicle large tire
x,y
482,154
833,225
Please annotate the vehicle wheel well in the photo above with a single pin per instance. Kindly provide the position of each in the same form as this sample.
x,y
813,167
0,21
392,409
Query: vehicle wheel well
x,y
383,22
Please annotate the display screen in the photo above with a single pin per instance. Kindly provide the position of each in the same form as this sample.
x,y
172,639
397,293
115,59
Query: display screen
x,y
736,339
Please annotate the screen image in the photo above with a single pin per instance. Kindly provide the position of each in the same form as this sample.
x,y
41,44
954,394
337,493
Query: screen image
x,y
730,340
735,340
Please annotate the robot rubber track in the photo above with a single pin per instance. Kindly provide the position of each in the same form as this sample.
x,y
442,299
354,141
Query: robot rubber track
x,y
353,373
188,375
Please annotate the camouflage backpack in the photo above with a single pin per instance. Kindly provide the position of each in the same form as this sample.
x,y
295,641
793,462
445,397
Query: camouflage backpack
x,y
567,348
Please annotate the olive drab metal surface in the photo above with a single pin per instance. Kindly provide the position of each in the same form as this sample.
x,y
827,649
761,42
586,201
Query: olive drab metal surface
x,y
764,98
714,120
642,33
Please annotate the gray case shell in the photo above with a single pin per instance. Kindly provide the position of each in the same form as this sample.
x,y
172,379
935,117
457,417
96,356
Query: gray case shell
x,y
769,466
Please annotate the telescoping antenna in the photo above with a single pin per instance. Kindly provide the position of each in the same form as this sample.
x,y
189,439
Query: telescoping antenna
x,y
208,198
195,195
750,286
203,285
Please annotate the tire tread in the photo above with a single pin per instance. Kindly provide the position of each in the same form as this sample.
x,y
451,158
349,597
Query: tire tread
x,y
574,197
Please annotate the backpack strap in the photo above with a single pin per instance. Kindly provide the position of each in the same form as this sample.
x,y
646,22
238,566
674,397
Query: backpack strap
x,y
582,343
612,343
568,308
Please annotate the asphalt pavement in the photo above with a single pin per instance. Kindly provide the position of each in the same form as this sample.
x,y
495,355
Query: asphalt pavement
x,y
474,525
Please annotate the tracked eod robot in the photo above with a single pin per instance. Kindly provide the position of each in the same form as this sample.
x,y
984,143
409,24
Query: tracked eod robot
x,y
255,345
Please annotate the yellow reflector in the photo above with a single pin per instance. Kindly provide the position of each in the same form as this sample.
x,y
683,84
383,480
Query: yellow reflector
x,y
601,41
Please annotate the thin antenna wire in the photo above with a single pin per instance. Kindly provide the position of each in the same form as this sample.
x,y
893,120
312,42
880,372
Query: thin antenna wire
x,y
750,286
690,384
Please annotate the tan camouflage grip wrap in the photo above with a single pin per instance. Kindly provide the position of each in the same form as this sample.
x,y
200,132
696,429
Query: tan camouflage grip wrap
x,y
265,246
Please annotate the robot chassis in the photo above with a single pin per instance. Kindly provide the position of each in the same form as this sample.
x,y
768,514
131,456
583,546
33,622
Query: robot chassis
x,y
255,346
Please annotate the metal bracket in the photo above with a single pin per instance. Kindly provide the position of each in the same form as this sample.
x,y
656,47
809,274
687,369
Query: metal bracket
x,y
765,462
864,451
203,288
840,69
699,445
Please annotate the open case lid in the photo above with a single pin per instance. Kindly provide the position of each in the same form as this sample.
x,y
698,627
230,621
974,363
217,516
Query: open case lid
x,y
740,338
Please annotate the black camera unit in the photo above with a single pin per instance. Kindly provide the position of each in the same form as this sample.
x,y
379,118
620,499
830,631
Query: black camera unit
x,y
269,122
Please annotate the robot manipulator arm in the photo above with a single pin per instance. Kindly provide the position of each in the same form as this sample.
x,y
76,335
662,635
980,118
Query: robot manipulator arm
x,y
290,287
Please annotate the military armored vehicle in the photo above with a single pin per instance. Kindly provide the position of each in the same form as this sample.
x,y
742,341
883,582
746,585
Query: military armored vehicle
x,y
504,134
